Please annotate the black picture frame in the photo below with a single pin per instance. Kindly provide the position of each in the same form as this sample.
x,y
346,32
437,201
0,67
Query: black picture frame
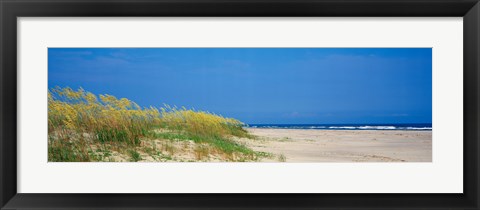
x,y
11,9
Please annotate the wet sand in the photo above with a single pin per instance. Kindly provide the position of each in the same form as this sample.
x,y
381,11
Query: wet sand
x,y
298,145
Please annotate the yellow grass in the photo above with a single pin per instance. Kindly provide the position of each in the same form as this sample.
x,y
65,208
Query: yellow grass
x,y
78,119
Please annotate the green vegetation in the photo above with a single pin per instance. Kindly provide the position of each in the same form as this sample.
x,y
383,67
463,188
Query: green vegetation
x,y
135,156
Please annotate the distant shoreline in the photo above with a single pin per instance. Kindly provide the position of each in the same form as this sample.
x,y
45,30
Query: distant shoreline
x,y
386,130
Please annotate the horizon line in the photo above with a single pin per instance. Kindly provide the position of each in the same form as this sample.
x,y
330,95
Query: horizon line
x,y
332,123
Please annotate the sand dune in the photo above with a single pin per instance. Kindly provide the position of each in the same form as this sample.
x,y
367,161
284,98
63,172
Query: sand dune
x,y
296,145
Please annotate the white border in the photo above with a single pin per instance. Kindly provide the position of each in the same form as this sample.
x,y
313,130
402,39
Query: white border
x,y
444,174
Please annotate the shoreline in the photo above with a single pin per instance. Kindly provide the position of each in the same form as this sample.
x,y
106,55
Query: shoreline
x,y
320,145
315,129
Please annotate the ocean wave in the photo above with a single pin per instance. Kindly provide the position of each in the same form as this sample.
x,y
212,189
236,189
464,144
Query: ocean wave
x,y
418,128
377,127
346,127
317,127
342,127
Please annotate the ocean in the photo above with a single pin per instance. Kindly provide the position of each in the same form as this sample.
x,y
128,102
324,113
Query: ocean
x,y
409,126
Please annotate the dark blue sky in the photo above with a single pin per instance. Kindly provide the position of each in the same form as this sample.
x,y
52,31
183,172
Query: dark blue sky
x,y
260,85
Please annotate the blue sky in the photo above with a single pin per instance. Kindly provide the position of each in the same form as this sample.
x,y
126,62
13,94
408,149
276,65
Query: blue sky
x,y
260,85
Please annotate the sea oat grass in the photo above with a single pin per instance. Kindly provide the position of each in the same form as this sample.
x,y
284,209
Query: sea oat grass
x,y
123,125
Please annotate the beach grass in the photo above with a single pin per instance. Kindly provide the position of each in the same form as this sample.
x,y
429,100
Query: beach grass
x,y
84,127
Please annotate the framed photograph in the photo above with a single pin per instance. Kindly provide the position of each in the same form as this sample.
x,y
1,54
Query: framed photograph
x,y
239,104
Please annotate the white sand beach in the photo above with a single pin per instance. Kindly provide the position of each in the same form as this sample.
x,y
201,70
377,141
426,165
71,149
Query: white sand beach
x,y
301,145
